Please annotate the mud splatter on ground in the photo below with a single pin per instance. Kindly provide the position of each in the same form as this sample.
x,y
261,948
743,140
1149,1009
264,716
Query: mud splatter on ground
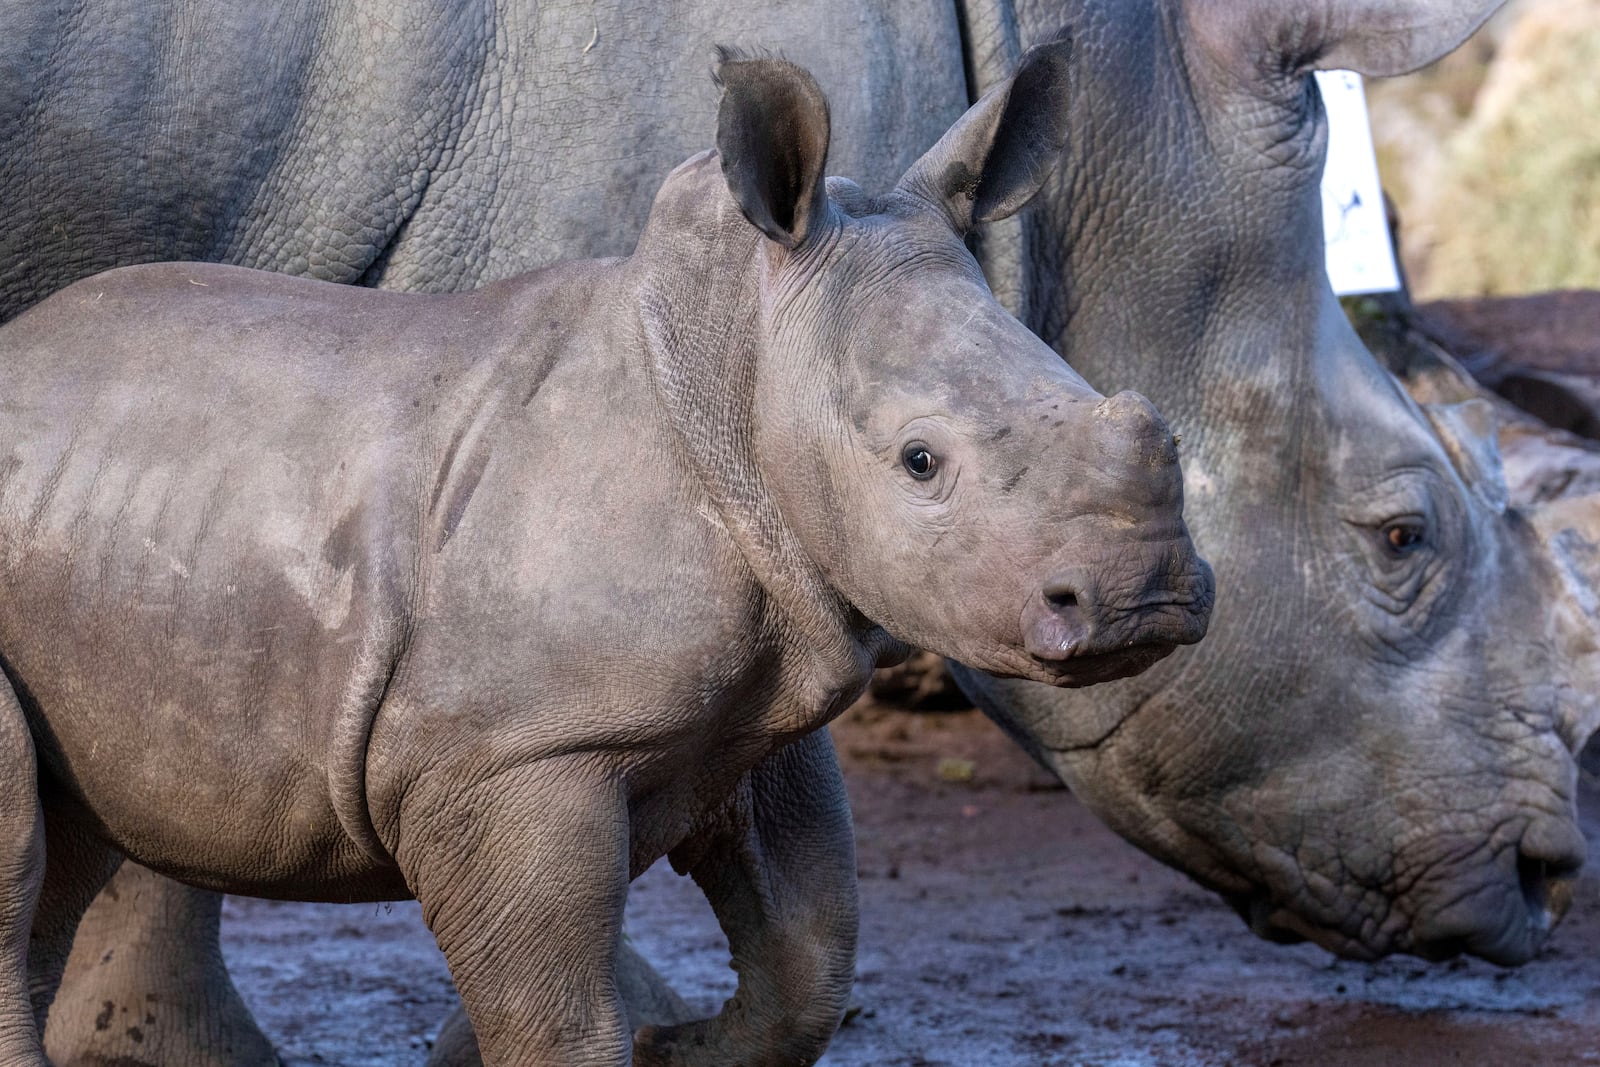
x,y
1003,926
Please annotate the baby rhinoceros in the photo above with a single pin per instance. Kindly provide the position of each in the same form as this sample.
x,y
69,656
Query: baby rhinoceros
x,y
315,592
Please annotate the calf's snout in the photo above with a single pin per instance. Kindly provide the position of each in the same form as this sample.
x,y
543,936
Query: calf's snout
x,y
1097,628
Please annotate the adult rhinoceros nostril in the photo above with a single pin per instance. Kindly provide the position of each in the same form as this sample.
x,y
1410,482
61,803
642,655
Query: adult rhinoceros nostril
x,y
1061,600
1546,889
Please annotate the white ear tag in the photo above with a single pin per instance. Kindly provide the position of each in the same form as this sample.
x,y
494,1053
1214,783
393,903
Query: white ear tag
x,y
1354,225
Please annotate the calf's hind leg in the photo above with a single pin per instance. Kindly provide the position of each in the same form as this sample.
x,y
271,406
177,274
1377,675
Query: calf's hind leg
x,y
21,879
522,877
148,952
77,864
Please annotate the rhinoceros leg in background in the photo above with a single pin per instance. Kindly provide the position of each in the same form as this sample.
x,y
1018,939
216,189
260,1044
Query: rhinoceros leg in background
x,y
796,798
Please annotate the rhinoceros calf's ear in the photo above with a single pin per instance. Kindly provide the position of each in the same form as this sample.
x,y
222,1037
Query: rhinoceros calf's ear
x,y
1470,433
1001,152
1378,38
772,135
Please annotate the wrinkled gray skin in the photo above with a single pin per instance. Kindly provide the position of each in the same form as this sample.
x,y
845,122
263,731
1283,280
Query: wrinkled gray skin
x,y
1374,748
494,599
1178,247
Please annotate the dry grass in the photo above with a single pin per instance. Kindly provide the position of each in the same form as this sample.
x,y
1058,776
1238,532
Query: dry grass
x,y
1494,157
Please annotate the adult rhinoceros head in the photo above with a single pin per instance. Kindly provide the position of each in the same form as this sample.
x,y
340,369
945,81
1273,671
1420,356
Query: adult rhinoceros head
x,y
1373,747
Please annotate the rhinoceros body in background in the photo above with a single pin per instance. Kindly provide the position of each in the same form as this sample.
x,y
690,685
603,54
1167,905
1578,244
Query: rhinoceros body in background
x,y
1178,252
319,592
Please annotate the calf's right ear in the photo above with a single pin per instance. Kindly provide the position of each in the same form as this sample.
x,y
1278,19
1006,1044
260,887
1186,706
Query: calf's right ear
x,y
1001,152
772,135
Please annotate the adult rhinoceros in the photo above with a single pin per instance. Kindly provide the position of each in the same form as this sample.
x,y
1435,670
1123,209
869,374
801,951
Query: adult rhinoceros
x,y
1374,750
429,145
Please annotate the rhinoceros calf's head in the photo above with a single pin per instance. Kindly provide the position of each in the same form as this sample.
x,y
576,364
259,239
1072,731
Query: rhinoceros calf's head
x,y
950,478
1372,748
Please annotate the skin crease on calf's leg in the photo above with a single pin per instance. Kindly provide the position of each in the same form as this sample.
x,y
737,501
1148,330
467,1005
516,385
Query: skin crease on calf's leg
x,y
77,865
646,997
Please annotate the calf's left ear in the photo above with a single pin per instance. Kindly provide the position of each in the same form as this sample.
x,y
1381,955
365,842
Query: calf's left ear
x,y
772,135
1001,152
1470,433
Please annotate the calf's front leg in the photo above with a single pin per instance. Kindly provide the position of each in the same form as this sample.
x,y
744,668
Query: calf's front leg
x,y
779,869
522,878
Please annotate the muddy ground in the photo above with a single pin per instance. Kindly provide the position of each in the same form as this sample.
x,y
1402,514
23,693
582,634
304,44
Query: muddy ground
x,y
1002,926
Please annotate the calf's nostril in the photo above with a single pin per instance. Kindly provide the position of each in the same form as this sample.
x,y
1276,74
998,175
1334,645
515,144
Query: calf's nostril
x,y
1055,624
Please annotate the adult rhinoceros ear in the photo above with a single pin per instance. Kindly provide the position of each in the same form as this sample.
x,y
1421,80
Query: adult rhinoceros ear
x,y
1000,153
1470,433
1378,38
772,135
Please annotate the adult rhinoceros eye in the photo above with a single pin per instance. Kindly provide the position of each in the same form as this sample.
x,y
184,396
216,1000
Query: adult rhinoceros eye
x,y
918,461
1404,536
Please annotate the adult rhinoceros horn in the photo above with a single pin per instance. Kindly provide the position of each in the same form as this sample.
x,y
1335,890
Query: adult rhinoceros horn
x,y
1375,37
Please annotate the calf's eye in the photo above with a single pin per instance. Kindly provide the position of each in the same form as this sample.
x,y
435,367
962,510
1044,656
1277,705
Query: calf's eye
x,y
918,461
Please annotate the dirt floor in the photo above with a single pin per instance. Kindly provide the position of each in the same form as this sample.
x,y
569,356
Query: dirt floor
x,y
1002,926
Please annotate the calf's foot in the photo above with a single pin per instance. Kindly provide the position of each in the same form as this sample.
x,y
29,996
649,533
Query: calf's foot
x,y
646,997
146,985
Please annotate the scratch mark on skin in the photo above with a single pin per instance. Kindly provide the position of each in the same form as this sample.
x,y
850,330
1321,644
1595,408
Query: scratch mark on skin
x,y
594,39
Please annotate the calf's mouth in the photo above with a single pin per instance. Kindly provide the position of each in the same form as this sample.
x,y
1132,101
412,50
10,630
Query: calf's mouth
x,y
1093,668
